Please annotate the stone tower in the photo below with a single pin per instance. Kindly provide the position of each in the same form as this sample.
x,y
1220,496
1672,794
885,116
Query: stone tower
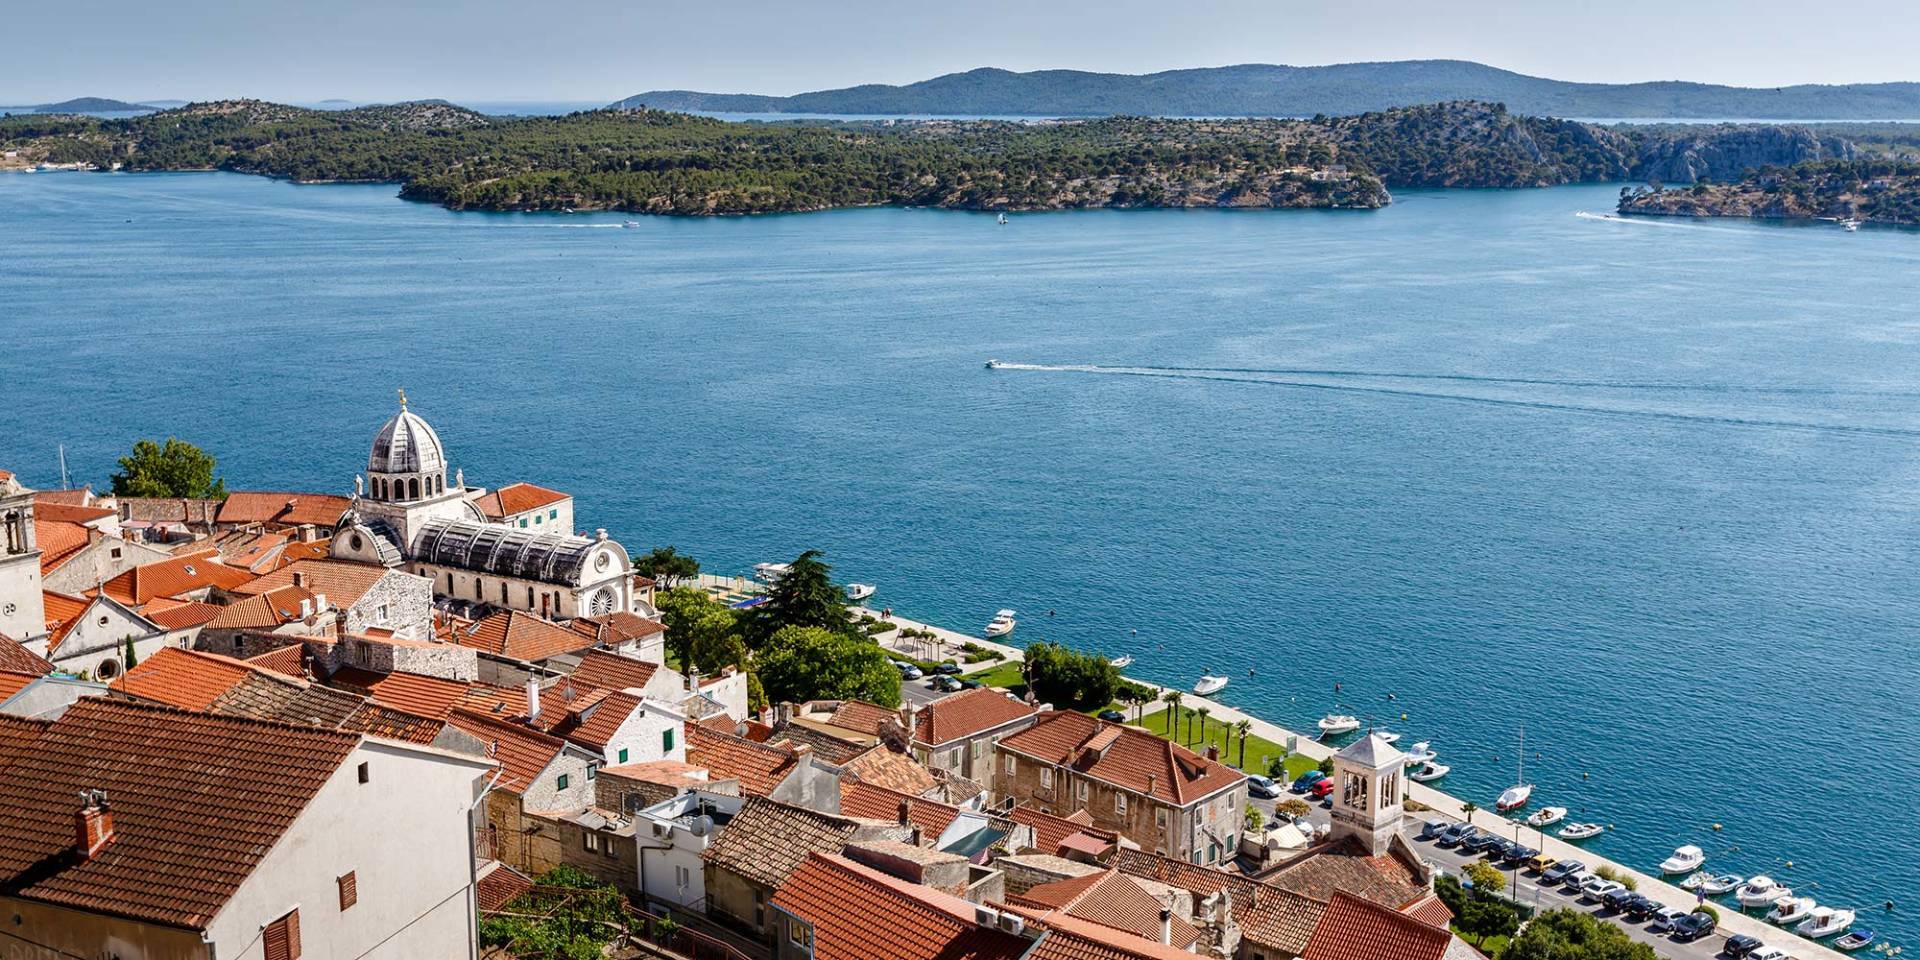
x,y
1367,793
23,611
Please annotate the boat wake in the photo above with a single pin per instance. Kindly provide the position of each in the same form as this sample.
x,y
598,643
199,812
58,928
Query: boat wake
x,y
1348,382
1665,223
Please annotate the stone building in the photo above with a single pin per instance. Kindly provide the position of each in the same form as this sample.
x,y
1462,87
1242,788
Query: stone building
x,y
22,615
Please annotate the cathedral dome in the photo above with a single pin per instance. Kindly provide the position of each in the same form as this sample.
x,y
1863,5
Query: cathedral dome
x,y
407,445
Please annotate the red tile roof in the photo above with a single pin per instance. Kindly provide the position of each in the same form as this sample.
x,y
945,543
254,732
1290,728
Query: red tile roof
x,y
264,611
883,767
520,636
12,682
1343,865
344,583
18,735
1430,910
616,628
19,659
170,614
289,660
1126,757
523,754
58,542
515,498
63,614
173,577
967,713
863,717
613,671
870,802
1111,899
759,767
595,725
432,697
175,857
188,679
859,913
500,886
1355,929
288,509
1050,831
47,508
81,497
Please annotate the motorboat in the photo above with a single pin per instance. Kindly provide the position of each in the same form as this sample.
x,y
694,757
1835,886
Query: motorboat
x,y
770,572
630,224
993,364
1210,683
1003,219
1825,922
1859,939
1850,224
1761,891
1422,752
1714,886
1429,771
1789,910
1005,614
1387,735
1339,723
1547,817
1685,859
1581,831
1001,626
1692,882
1516,796
1121,663
859,591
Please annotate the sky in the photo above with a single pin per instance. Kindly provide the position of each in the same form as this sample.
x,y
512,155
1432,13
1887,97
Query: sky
x,y
602,50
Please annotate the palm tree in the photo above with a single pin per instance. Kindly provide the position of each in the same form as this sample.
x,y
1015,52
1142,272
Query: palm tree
x,y
1243,728
1173,699
1203,711
1467,809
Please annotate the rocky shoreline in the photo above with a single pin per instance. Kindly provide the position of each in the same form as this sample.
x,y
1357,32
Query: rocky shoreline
x,y
1883,192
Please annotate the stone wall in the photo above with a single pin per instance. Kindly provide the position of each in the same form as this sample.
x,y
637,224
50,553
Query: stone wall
x,y
399,602
448,661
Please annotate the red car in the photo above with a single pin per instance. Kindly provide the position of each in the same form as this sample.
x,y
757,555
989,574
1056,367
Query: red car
x,y
1322,789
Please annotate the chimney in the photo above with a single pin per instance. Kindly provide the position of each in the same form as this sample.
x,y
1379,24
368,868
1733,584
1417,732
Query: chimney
x,y
905,813
1166,925
299,579
1213,752
306,608
533,698
92,824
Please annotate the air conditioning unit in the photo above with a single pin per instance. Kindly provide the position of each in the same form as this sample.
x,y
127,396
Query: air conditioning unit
x,y
1009,923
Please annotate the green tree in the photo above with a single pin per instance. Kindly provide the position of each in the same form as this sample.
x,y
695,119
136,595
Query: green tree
x,y
1486,877
667,566
797,664
703,634
1172,698
1564,934
804,596
1293,807
1070,679
1203,712
173,469
1244,729
1255,819
132,659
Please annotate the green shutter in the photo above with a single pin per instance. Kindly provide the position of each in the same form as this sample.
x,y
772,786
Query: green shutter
x,y
666,740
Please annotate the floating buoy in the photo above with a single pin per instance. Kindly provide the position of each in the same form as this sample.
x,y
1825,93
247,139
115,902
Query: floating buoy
x,y
1403,716
1716,826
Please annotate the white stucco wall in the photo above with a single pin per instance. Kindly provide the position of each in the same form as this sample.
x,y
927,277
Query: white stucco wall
x,y
641,736
101,635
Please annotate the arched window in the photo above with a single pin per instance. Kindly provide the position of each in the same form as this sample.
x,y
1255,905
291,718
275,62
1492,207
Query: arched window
x,y
413,489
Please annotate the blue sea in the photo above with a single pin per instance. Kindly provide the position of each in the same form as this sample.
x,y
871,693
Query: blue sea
x,y
1648,488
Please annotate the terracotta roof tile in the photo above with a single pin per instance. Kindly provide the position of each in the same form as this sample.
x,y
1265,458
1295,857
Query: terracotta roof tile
x,y
520,636
1430,910
863,717
80,497
188,679
170,614
1344,866
289,660
1267,915
594,725
522,753
265,611
612,671
870,802
12,682
967,713
517,498
1110,899
173,577
288,509
883,767
767,839
46,507
1066,937
759,767
175,857
19,735
344,583
1355,929
617,627
58,542
63,614
19,659
1126,757
859,913
500,886
1050,831
431,697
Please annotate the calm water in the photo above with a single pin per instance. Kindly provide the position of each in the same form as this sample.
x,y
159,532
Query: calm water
x,y
1649,488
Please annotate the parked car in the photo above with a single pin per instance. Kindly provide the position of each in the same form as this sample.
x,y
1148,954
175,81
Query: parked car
x,y
1769,953
1738,945
1617,899
971,685
1456,835
1433,828
1642,907
1263,787
1541,863
910,672
1693,926
948,668
1113,716
944,683
1321,789
1481,843
1596,889
1666,917
1559,872
1578,881
1518,855
1305,781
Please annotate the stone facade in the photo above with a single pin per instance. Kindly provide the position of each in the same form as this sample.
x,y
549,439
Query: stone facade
x,y
98,562
23,614
1205,831
399,602
448,661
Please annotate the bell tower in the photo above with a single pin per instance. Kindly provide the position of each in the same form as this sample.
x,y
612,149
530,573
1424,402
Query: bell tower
x,y
1368,792
23,613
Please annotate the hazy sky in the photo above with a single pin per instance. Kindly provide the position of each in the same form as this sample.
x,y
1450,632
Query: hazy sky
x,y
605,49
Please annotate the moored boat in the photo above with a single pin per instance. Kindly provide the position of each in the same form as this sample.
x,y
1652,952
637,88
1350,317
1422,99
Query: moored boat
x,y
1514,797
1001,626
1789,910
1121,663
1859,939
1824,922
860,591
1581,831
1429,771
1692,882
1387,735
1685,859
1422,752
1547,817
1210,683
1714,886
1761,891
1338,723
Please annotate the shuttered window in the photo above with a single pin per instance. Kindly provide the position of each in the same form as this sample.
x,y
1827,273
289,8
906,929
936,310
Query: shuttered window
x,y
349,890
282,938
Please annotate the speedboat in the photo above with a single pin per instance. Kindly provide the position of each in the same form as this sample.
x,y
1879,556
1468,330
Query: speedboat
x,y
1788,910
1581,831
1339,723
1430,771
1761,891
1859,939
1003,219
1210,683
1387,735
1685,859
1001,626
1850,224
993,364
1514,797
1422,752
1121,663
1547,817
630,224
1714,886
1825,922
1692,882
859,591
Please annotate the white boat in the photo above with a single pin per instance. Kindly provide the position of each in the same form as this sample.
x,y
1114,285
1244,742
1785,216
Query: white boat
x,y
1003,219
1209,684
630,224
1004,614
1788,910
1001,626
1850,224
1685,859
1429,771
1692,882
1724,883
1547,817
859,591
1825,922
1761,891
1516,796
1339,723
1121,663
993,364
1422,752
1581,831
1387,735
770,572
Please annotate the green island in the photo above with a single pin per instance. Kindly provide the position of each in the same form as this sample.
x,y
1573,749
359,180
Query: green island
x,y
657,162
1868,191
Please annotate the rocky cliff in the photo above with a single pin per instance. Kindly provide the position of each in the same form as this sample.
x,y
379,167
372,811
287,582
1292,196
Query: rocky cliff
x,y
1727,152
1869,191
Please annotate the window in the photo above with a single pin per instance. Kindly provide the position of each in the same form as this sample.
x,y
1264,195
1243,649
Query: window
x,y
115,553
666,740
1119,804
800,933
349,890
1009,765
383,613
365,774
1082,791
523,521
1160,817
759,909
590,840
536,519
682,877
282,938
1046,778
553,514
591,770
563,781
623,753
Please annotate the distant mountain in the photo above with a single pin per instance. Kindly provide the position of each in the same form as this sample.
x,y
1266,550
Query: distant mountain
x,y
85,105
1265,90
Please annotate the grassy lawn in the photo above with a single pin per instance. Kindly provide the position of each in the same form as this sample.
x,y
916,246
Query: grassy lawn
x,y
1491,946
1005,675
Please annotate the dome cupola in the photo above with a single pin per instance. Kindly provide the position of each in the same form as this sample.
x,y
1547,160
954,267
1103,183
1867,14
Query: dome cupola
x,y
407,461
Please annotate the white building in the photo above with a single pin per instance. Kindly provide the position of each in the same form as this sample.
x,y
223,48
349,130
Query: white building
x,y
672,836
22,616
